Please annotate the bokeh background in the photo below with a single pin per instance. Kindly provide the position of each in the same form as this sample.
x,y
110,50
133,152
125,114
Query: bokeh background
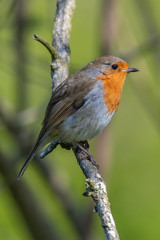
x,y
48,203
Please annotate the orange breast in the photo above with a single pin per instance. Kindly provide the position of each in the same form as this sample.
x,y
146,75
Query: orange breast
x,y
113,83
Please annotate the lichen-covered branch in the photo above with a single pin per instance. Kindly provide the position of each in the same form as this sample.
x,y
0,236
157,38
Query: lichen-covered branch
x,y
61,37
96,188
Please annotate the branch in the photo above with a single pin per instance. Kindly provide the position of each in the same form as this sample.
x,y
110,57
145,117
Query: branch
x,y
50,48
61,38
59,71
96,188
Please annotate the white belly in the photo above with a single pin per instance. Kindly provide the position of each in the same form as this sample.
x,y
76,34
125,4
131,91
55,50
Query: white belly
x,y
88,121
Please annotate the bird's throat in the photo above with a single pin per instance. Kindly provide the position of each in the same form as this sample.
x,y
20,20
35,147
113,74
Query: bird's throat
x,y
112,90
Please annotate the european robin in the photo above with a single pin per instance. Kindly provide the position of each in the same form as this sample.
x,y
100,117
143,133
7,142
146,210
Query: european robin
x,y
82,105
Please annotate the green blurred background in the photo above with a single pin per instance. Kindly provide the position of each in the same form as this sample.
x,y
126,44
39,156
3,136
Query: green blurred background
x,y
48,203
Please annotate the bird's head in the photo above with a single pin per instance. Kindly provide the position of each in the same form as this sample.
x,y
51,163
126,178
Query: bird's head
x,y
112,72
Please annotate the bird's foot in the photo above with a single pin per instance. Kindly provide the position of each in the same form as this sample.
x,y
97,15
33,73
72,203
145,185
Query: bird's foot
x,y
85,150
85,144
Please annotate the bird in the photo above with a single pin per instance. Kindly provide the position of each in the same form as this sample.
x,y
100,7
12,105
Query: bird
x,y
82,105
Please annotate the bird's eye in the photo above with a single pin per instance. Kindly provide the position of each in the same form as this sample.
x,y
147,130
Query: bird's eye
x,y
114,66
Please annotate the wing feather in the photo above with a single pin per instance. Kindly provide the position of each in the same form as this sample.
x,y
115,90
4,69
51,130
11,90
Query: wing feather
x,y
67,98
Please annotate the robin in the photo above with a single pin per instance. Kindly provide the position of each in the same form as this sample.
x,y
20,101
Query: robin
x,y
83,105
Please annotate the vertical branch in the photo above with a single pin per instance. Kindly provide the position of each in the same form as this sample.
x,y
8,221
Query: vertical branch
x,y
96,189
61,37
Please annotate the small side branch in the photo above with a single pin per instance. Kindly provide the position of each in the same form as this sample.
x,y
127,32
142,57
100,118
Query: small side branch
x,y
50,48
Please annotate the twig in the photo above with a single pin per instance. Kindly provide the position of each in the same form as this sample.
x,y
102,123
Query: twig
x,y
50,48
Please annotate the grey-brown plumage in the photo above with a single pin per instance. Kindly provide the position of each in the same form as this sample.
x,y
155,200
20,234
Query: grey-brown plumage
x,y
67,98
77,110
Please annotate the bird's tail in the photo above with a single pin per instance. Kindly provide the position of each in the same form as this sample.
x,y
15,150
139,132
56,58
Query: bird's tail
x,y
42,140
38,144
28,160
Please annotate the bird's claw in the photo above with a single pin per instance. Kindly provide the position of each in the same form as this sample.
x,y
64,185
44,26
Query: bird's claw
x,y
85,150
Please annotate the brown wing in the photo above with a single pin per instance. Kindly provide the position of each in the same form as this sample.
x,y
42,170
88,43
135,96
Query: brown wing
x,y
62,106
67,98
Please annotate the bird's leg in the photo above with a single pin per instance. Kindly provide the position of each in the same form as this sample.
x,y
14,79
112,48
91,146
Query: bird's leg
x,y
49,149
52,146
86,152
86,145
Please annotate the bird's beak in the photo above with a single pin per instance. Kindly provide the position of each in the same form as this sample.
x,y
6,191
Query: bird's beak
x,y
132,70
